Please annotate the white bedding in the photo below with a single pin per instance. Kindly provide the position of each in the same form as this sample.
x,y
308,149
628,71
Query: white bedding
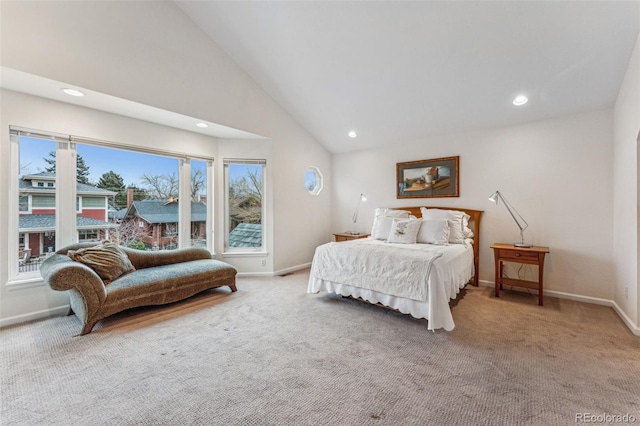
x,y
416,279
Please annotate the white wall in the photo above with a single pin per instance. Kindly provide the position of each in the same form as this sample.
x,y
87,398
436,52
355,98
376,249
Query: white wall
x,y
625,189
32,112
557,173
150,52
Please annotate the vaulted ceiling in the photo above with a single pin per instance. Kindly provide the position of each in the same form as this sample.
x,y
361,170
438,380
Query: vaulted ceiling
x,y
398,71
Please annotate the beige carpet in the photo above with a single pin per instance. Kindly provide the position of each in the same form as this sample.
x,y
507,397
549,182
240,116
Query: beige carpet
x,y
271,354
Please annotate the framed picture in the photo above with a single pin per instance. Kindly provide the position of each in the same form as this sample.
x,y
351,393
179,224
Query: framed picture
x,y
439,177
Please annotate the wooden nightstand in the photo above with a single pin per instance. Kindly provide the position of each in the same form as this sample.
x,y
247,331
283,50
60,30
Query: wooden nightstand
x,y
347,237
530,255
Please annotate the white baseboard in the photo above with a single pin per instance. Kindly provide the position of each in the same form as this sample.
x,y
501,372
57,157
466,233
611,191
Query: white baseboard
x,y
254,274
634,328
31,316
292,269
275,273
586,299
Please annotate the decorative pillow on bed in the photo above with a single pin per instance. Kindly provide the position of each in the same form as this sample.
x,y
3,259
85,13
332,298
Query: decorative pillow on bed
x,y
404,231
456,226
468,233
433,232
107,259
382,221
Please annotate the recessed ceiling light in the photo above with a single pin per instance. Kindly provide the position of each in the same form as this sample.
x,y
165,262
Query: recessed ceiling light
x,y
203,125
520,100
73,92
353,134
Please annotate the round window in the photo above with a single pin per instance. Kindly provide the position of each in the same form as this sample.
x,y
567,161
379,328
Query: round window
x,y
313,180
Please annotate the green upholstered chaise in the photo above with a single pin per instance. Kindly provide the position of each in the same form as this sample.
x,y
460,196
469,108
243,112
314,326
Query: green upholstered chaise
x,y
160,277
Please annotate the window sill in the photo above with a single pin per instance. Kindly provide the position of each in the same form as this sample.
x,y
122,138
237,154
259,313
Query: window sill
x,y
20,283
245,254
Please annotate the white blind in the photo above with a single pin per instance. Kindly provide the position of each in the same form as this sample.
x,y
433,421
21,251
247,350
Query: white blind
x,y
243,161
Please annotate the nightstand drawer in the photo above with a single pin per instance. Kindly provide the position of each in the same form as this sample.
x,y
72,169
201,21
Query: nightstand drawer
x,y
518,255
348,237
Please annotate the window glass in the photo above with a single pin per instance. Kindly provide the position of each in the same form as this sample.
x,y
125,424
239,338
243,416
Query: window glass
x,y
36,228
94,202
23,204
244,205
127,188
125,196
199,205
313,180
85,235
43,201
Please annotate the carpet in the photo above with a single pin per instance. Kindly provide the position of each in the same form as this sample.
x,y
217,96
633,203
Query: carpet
x,y
271,354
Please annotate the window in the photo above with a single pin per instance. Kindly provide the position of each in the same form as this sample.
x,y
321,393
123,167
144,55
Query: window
x,y
23,203
125,195
154,180
94,202
244,207
313,180
88,235
36,213
43,201
200,212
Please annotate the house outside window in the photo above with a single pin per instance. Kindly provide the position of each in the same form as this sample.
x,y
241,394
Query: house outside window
x,y
101,207
23,203
244,206
88,235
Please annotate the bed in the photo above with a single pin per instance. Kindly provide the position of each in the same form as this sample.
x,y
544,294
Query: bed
x,y
417,279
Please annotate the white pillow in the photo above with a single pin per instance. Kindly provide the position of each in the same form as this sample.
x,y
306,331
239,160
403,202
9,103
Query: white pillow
x,y
468,233
381,227
456,229
433,232
404,231
381,224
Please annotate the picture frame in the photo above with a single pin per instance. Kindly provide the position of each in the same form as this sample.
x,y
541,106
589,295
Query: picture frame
x,y
438,177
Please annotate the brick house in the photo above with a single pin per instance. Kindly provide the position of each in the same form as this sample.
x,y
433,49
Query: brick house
x,y
37,209
157,221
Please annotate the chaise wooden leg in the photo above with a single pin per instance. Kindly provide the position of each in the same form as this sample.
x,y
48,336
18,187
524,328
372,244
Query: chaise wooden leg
x,y
233,287
87,328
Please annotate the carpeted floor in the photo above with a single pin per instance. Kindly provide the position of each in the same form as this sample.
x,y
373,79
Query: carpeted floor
x,y
271,354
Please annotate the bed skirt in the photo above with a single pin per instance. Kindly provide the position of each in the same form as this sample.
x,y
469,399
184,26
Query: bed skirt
x,y
442,318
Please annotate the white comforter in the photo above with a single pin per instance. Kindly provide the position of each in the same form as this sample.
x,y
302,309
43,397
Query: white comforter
x,y
418,279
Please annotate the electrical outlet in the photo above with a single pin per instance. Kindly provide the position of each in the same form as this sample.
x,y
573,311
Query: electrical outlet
x,y
264,262
626,291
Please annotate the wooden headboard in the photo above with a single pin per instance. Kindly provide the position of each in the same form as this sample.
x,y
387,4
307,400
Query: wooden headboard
x,y
474,224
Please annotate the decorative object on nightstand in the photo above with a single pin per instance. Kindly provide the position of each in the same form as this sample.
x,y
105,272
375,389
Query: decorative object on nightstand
x,y
347,236
354,218
522,226
527,255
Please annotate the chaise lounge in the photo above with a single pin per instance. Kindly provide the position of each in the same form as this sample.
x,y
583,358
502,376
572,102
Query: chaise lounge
x,y
106,279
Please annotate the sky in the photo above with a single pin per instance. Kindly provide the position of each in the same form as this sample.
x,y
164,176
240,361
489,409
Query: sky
x,y
130,165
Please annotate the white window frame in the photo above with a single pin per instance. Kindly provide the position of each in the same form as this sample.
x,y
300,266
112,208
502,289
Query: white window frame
x,y
66,232
319,180
29,279
245,251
